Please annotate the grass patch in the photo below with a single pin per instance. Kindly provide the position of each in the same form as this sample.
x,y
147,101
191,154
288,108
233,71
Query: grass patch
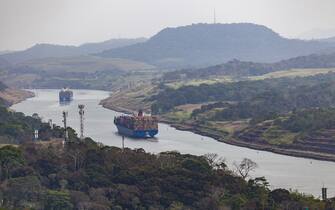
x,y
178,116
197,82
292,73
277,136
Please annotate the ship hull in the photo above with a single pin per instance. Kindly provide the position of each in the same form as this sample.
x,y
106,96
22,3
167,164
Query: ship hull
x,y
65,99
136,133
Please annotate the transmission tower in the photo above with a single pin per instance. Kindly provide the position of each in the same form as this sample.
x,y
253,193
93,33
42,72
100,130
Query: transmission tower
x,y
66,135
81,114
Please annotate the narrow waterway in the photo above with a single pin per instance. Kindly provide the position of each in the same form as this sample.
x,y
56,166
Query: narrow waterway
x,y
281,171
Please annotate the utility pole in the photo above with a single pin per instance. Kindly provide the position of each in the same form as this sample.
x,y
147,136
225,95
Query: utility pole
x,y
81,114
66,135
122,143
50,124
324,193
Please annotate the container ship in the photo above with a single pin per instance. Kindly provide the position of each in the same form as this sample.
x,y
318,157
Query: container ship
x,y
137,126
65,95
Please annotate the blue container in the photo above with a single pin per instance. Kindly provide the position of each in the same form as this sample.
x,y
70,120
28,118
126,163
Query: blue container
x,y
65,95
136,133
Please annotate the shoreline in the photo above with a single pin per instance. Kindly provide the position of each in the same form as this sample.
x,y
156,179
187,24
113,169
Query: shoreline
x,y
260,147
15,96
216,136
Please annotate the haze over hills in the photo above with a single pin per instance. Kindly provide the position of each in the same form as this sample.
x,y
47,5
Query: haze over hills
x,y
39,51
4,63
330,39
208,44
239,68
5,52
84,71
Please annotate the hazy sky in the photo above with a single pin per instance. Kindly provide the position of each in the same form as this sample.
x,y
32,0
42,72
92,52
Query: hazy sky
x,y
26,22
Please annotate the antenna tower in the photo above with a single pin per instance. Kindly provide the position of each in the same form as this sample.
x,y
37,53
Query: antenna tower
x,y
81,114
66,135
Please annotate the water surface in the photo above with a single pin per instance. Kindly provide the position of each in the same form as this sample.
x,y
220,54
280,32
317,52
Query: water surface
x,y
282,171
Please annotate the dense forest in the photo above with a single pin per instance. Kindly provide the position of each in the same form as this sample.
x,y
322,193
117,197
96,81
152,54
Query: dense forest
x,y
259,100
2,86
85,175
16,128
237,68
308,120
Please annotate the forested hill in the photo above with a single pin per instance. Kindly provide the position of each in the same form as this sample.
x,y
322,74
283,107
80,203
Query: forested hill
x,y
239,68
40,51
255,98
85,175
209,44
2,86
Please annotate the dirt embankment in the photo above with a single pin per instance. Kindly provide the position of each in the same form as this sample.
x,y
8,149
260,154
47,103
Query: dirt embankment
x,y
130,100
13,96
204,131
293,150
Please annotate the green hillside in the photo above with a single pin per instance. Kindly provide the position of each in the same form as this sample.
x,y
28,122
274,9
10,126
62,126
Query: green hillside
x,y
86,72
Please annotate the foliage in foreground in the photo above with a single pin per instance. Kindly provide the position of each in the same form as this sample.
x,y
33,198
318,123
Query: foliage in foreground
x,y
16,128
84,175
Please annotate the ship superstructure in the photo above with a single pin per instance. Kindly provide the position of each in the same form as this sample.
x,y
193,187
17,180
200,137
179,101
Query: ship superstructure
x,y
137,126
65,95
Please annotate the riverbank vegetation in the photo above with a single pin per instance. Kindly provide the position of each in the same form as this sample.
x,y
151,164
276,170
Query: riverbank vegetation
x,y
83,174
286,115
277,95
16,128
86,175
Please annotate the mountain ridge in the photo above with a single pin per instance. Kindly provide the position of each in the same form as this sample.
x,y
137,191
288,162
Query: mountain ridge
x,y
238,68
207,44
43,50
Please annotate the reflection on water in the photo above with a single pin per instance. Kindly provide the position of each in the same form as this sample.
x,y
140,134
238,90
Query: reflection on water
x,y
306,175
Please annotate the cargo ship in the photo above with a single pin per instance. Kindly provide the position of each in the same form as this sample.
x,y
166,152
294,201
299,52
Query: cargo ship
x,y
65,95
137,126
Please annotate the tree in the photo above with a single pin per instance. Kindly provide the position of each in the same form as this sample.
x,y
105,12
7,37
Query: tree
x,y
10,157
57,200
245,167
215,161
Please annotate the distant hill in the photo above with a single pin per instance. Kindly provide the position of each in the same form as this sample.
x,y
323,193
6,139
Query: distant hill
x,y
5,52
330,39
4,64
2,86
109,44
208,44
242,68
84,71
49,50
78,64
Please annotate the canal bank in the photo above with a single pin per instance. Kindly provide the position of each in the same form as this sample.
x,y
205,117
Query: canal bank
x,y
305,175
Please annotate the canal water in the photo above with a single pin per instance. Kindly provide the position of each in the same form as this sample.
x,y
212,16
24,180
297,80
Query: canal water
x,y
305,175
